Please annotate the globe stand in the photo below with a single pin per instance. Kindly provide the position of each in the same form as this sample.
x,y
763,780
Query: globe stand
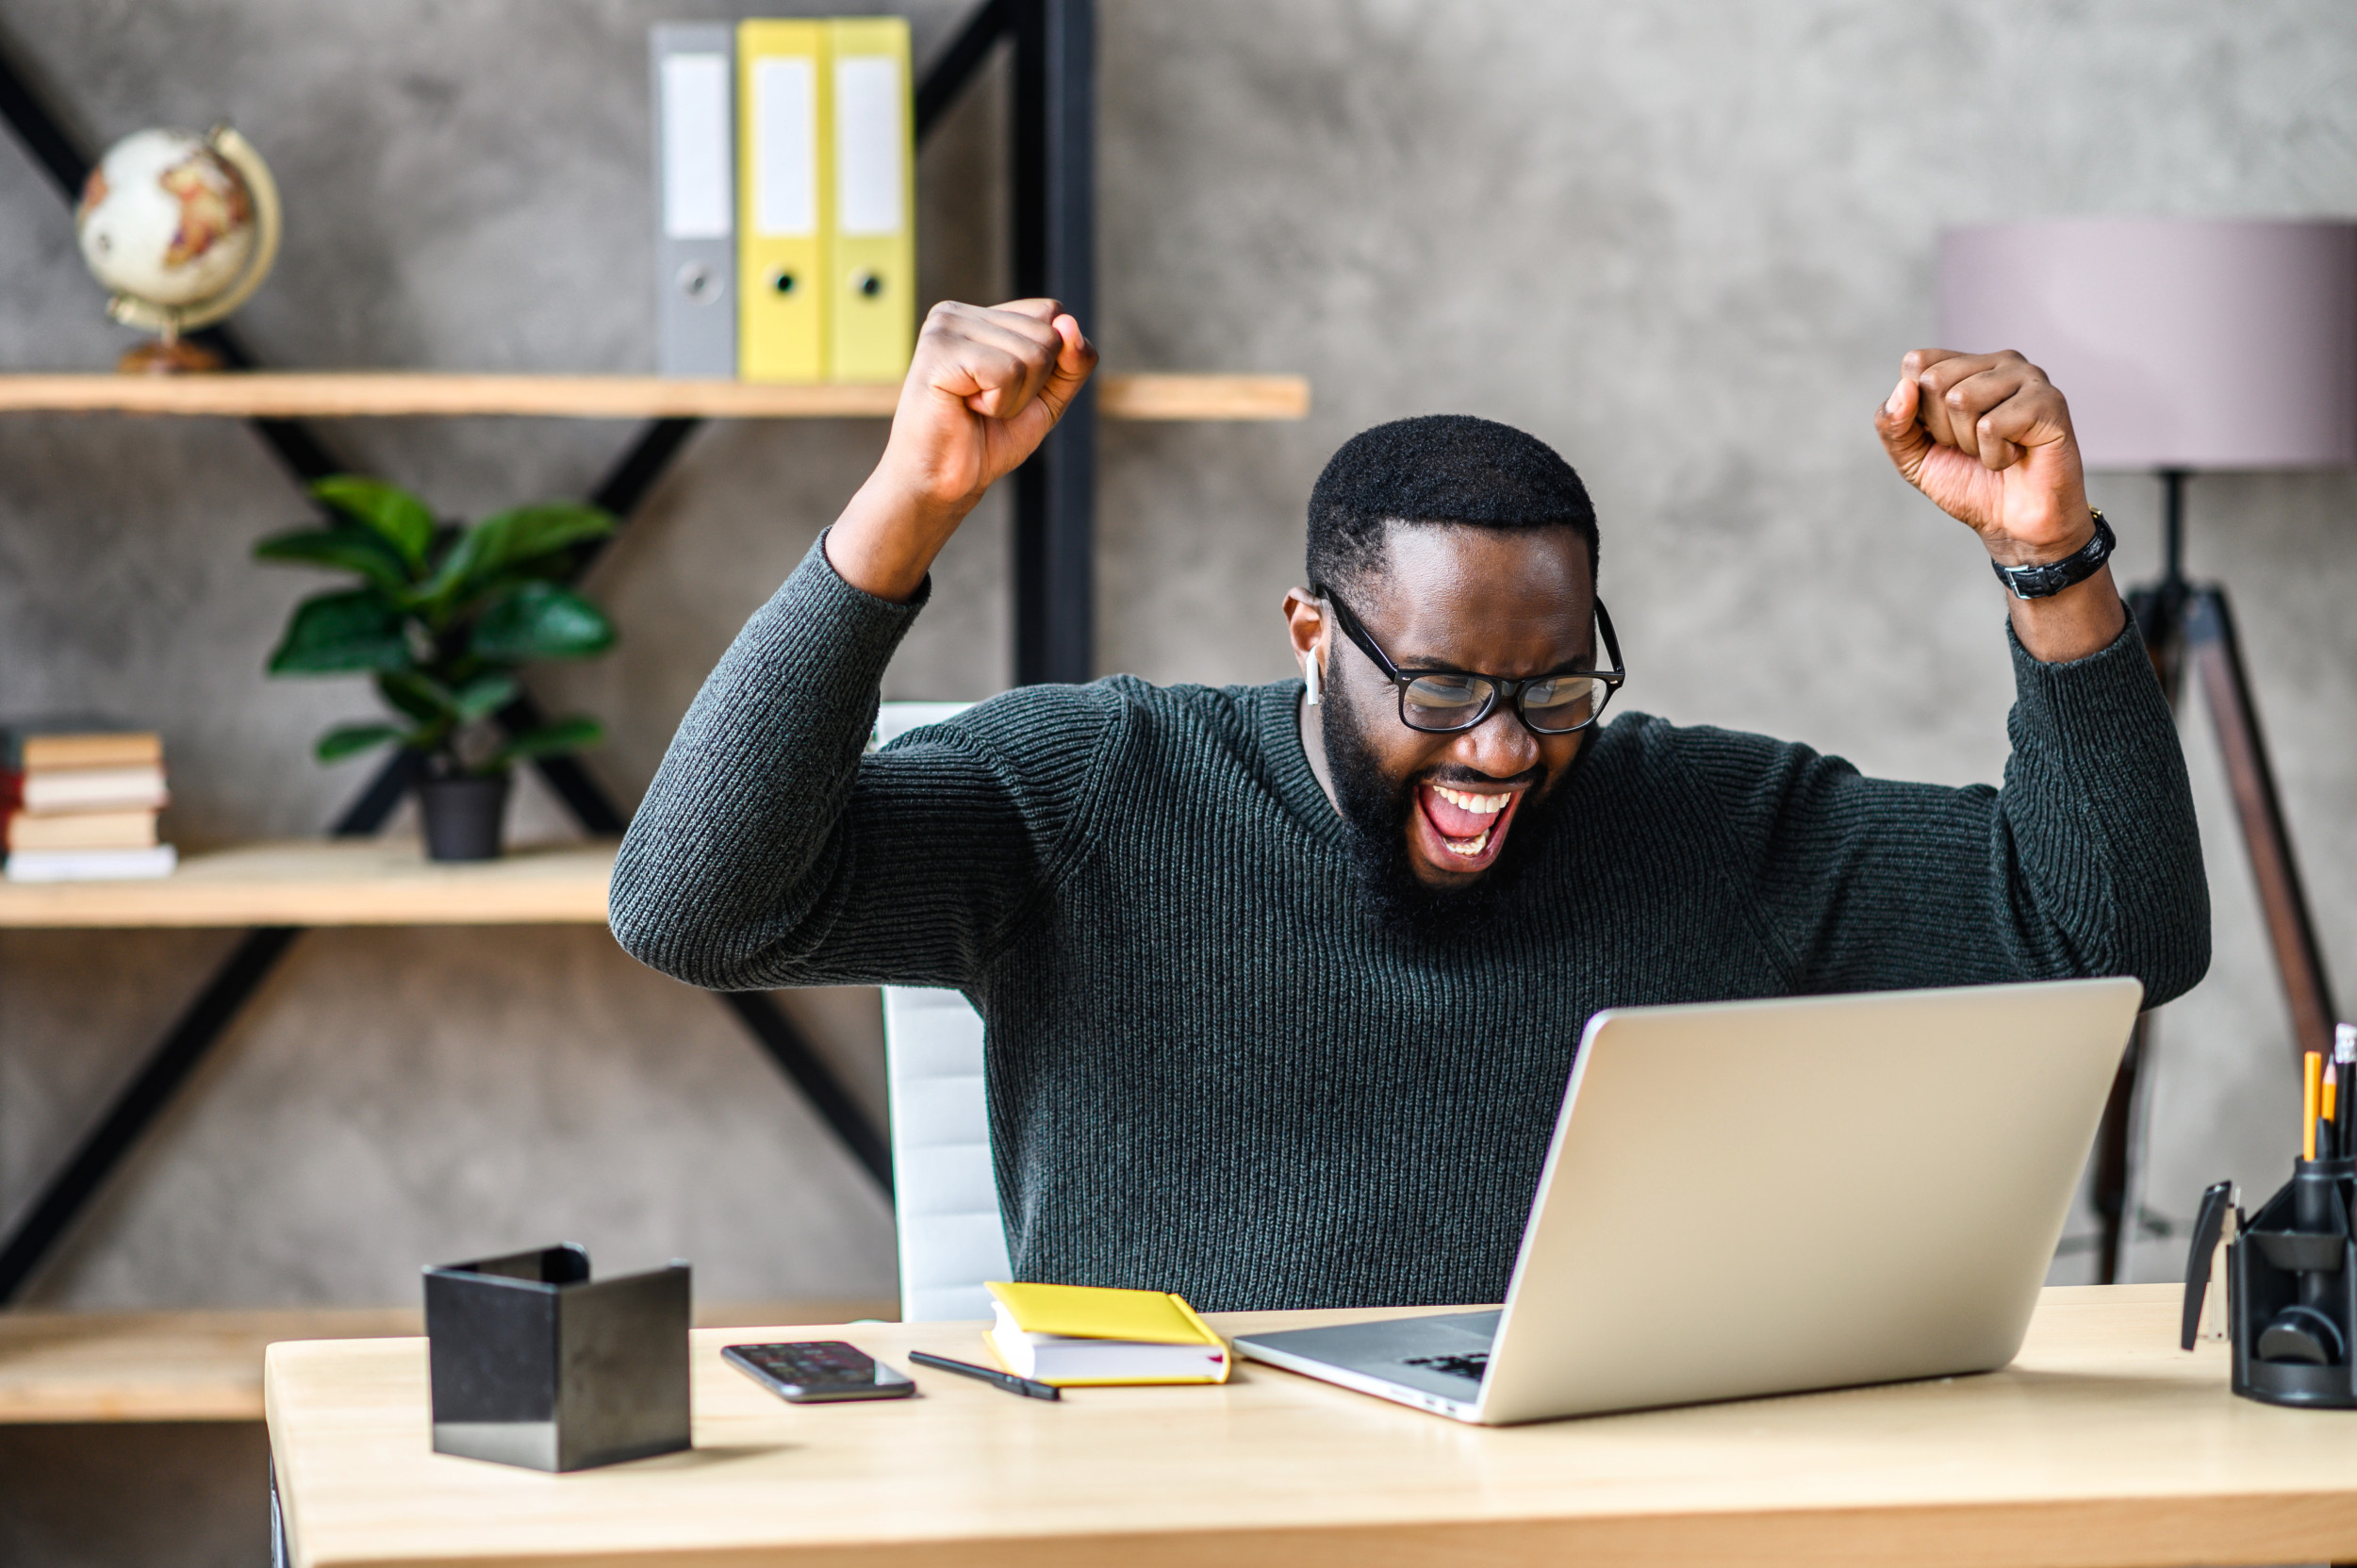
x,y
168,355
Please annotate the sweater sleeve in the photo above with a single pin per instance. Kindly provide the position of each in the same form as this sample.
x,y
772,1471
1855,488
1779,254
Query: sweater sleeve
x,y
2087,862
772,851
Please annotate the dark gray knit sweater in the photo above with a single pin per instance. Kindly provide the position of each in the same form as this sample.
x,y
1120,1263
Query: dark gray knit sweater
x,y
1209,1069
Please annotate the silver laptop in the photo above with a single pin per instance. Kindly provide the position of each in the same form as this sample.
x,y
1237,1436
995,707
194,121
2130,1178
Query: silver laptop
x,y
1762,1197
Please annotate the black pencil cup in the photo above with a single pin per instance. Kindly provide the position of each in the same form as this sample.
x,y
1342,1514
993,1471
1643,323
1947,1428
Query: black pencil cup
x,y
533,1365
2291,1287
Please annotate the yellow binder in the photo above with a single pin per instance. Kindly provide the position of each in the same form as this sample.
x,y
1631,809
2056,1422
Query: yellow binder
x,y
783,169
871,232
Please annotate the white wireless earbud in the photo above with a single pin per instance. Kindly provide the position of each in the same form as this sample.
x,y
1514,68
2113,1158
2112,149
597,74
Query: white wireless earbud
x,y
1312,678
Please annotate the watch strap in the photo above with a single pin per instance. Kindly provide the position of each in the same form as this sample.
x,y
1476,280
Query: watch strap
x,y
2048,578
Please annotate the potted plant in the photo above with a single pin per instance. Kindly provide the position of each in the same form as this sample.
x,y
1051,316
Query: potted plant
x,y
443,616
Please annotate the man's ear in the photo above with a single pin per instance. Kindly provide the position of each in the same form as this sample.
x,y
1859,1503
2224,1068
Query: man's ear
x,y
1309,625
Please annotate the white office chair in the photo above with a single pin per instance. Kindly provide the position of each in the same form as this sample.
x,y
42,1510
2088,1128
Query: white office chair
x,y
945,1196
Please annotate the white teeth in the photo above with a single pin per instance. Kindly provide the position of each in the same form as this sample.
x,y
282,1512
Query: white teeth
x,y
1480,805
1468,848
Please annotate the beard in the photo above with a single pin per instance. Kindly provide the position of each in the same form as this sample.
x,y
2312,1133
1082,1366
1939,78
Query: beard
x,y
1374,808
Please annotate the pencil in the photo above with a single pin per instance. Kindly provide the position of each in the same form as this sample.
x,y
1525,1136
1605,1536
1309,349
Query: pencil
x,y
2332,1091
2310,1096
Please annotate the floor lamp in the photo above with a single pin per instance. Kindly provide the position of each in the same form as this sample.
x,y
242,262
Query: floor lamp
x,y
2185,346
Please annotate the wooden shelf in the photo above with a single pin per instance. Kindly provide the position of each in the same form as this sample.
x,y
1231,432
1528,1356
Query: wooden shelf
x,y
365,882
60,1366
378,394
157,1366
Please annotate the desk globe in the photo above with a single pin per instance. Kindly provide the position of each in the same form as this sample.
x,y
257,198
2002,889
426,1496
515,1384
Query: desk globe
x,y
182,228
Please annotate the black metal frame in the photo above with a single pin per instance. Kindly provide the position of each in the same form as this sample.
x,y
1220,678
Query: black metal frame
x,y
1502,689
1053,143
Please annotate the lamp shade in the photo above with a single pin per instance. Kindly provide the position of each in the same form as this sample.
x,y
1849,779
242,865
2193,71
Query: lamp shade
x,y
2182,343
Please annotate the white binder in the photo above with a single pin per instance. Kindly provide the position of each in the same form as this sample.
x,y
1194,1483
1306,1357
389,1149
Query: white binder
x,y
694,67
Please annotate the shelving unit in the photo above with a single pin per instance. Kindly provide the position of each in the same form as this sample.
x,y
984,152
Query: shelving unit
x,y
385,394
276,891
347,882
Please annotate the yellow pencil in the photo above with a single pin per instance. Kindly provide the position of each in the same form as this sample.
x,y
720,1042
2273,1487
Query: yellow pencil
x,y
2331,1092
2310,1097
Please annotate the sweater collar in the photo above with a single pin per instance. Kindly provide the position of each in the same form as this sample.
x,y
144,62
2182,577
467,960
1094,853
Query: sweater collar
x,y
1277,723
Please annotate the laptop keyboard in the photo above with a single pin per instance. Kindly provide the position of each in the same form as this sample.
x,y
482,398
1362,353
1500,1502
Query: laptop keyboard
x,y
1469,1367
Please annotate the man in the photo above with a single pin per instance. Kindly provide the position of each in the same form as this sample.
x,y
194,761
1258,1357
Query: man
x,y
1282,997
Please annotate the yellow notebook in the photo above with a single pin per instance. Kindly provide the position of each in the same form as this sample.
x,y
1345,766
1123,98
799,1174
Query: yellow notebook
x,y
871,241
783,168
1079,1336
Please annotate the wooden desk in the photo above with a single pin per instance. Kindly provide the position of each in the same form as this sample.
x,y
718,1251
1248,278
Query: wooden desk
x,y
2103,1444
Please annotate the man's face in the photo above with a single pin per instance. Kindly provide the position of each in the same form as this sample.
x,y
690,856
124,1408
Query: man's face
x,y
1468,599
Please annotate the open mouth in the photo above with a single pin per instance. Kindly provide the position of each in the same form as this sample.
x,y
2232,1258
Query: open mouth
x,y
1462,828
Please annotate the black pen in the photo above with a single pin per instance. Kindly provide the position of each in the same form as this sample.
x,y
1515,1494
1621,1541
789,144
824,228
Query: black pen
x,y
2345,1119
990,1375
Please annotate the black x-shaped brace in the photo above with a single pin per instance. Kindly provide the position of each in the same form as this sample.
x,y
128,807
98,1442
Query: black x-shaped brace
x,y
1053,45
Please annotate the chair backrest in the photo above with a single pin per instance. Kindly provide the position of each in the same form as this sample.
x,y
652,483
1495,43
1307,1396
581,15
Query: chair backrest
x,y
945,1196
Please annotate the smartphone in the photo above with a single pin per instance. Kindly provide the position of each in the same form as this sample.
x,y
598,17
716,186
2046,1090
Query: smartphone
x,y
815,1372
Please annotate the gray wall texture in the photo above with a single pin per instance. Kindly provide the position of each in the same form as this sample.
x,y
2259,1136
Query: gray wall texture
x,y
1685,242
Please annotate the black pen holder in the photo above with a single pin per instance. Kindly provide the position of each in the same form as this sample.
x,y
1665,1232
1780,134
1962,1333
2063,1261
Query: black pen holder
x,y
535,1364
2291,1289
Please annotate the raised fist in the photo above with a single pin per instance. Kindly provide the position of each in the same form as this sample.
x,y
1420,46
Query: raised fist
x,y
1988,438
986,385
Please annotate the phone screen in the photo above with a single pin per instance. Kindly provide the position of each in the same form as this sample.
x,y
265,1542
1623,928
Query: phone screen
x,y
815,1371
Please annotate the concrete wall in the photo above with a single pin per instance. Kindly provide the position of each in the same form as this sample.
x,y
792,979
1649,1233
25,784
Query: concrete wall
x,y
1685,243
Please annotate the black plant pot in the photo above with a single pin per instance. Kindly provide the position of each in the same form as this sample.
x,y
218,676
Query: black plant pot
x,y
464,816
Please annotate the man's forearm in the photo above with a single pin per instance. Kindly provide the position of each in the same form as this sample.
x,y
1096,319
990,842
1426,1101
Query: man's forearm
x,y
886,538
2100,855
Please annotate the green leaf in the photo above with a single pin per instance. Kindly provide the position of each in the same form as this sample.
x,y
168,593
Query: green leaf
x,y
339,549
507,540
345,739
333,633
399,518
420,697
564,734
485,696
532,531
541,621
461,567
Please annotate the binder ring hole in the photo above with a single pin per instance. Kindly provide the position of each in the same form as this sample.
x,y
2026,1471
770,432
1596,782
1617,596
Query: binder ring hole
x,y
781,282
698,281
869,283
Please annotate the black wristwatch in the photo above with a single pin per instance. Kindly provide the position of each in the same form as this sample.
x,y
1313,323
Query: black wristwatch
x,y
2052,577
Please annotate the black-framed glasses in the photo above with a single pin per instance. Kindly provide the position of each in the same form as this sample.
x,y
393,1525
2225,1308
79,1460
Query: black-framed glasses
x,y
1442,701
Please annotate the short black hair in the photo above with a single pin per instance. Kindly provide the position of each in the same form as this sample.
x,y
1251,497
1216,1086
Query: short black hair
x,y
1437,469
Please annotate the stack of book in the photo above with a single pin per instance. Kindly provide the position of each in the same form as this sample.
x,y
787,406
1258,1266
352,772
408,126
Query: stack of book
x,y
78,802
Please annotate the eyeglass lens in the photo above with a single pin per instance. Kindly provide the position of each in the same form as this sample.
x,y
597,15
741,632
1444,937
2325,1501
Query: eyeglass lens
x,y
1554,707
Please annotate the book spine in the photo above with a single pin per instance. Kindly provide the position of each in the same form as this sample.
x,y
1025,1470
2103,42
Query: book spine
x,y
1210,1336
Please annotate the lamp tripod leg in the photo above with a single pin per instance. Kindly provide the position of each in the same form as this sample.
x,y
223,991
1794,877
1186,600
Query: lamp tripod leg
x,y
2214,656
